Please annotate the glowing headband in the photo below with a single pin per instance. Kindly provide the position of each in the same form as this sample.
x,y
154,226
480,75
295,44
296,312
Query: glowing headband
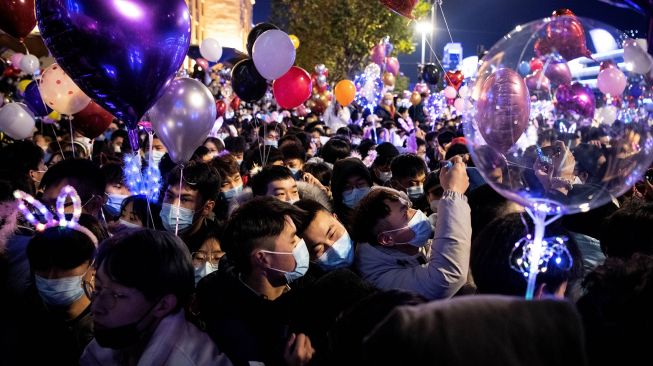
x,y
50,220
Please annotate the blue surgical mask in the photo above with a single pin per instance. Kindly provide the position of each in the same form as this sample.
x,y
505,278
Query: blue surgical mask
x,y
351,198
129,225
273,143
232,193
420,225
203,271
60,291
114,203
294,172
415,192
169,217
302,259
339,255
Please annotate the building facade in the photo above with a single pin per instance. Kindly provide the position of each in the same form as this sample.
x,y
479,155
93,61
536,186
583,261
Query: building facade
x,y
228,21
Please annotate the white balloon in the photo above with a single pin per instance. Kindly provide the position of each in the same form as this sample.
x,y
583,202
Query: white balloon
x,y
16,121
60,92
606,115
211,50
273,54
463,91
450,92
29,64
636,58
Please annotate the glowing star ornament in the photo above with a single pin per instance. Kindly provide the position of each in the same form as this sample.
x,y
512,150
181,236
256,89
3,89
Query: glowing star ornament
x,y
25,201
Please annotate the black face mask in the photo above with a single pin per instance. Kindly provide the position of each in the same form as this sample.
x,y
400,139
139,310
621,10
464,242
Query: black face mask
x,y
121,337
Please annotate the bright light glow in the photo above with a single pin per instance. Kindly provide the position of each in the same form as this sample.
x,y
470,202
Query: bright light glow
x,y
424,27
603,41
129,9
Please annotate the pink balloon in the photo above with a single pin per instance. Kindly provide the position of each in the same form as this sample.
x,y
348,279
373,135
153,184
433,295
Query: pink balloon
x,y
378,54
459,104
503,109
450,92
537,81
204,63
558,72
15,59
421,88
612,81
392,65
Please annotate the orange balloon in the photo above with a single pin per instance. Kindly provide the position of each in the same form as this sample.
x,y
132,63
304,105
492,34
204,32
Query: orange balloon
x,y
415,98
345,92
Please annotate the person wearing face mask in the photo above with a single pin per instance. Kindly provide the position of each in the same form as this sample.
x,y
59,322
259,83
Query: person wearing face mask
x,y
55,313
294,157
269,133
142,283
214,145
115,190
408,175
433,191
189,212
386,109
23,165
158,150
206,258
246,303
394,250
380,169
138,212
350,182
236,147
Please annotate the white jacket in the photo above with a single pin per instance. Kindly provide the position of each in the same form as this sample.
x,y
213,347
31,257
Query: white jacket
x,y
175,342
437,272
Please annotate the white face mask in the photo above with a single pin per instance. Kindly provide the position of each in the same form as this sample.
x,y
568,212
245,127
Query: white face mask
x,y
203,271
385,176
128,224
434,205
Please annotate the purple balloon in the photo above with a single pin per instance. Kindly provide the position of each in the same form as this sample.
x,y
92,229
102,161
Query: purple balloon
x,y
392,65
503,109
378,54
537,81
121,53
32,98
576,98
557,71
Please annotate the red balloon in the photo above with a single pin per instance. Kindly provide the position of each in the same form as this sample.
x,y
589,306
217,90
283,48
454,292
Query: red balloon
x,y
558,71
221,107
392,65
92,120
503,109
536,64
293,88
565,35
17,17
607,64
455,78
235,103
11,72
538,81
402,7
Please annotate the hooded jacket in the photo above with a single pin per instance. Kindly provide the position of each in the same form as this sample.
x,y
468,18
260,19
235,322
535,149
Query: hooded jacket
x,y
438,271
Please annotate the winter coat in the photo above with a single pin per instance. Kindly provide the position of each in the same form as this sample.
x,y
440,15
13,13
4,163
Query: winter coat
x,y
436,272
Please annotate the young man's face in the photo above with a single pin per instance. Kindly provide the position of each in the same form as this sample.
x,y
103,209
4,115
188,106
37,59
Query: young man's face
x,y
157,145
285,190
294,164
190,199
320,235
117,188
284,243
407,182
400,215
231,182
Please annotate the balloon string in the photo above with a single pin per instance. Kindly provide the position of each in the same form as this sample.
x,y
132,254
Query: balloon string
x,y
72,140
56,138
445,19
181,180
38,81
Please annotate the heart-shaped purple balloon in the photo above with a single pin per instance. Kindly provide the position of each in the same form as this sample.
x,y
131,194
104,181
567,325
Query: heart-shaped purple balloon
x,y
121,53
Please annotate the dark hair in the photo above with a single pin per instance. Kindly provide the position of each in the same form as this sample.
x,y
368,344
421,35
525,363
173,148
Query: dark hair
x,y
335,149
140,208
616,311
199,177
94,226
320,171
260,218
84,175
433,181
490,257
260,181
59,247
293,150
628,231
546,135
420,142
264,128
486,205
119,133
215,141
226,166
113,173
156,263
261,156
17,160
342,171
369,211
365,146
311,208
235,144
456,149
343,131
445,137
407,166
385,152
587,161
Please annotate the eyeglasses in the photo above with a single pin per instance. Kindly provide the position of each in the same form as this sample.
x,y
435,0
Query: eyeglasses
x,y
100,294
200,258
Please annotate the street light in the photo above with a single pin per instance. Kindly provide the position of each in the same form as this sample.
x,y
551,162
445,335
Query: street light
x,y
424,27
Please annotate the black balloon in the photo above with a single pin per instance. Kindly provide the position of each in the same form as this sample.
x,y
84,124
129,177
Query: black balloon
x,y
256,32
198,72
247,83
431,73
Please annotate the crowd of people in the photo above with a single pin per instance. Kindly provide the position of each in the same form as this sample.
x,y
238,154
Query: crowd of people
x,y
285,241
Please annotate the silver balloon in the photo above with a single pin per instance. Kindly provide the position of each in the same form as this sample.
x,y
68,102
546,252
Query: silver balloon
x,y
183,117
321,80
320,69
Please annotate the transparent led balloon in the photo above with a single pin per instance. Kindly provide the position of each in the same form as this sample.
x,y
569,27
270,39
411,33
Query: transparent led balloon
x,y
552,138
558,120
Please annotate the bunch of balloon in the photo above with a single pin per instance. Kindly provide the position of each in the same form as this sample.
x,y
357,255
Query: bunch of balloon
x,y
537,76
122,67
321,95
369,87
402,7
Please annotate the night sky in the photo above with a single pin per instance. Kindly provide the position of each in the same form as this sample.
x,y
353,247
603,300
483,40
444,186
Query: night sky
x,y
483,22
